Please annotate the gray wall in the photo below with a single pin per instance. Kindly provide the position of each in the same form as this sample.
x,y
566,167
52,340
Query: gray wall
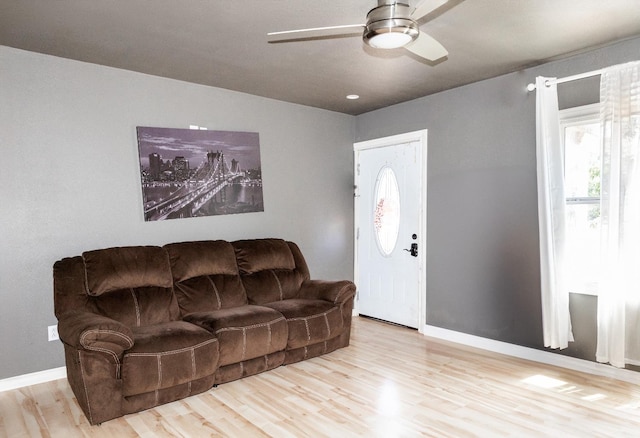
x,y
69,180
483,275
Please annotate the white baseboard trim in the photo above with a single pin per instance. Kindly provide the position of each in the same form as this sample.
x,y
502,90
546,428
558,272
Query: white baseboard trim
x,y
534,355
32,379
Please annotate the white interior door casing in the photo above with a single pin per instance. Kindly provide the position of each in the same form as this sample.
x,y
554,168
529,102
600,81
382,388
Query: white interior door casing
x,y
391,282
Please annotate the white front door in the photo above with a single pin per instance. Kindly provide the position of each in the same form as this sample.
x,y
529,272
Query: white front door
x,y
390,227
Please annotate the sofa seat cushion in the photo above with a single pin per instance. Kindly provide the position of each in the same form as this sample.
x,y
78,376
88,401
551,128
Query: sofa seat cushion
x,y
166,355
244,332
309,321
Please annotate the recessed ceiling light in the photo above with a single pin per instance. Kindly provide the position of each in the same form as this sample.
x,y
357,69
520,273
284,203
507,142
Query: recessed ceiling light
x,y
353,97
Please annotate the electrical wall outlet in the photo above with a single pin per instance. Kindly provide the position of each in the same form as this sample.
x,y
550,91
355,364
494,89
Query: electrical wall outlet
x,y
53,332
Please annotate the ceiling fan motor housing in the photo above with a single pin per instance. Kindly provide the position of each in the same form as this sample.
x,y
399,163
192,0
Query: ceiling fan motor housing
x,y
389,26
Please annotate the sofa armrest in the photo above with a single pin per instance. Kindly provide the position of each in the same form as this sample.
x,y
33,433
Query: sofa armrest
x,y
95,332
334,291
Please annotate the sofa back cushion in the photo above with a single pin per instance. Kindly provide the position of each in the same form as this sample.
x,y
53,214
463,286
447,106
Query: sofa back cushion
x,y
205,276
139,306
69,287
271,269
125,267
132,285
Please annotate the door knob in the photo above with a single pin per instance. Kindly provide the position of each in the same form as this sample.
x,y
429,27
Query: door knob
x,y
414,250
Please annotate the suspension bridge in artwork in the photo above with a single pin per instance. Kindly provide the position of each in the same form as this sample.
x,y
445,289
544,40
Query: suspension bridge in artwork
x,y
208,180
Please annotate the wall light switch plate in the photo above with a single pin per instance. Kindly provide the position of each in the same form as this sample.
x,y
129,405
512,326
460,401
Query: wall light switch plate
x,y
53,332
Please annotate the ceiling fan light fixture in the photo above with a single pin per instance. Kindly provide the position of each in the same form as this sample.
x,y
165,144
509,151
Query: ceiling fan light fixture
x,y
389,40
389,26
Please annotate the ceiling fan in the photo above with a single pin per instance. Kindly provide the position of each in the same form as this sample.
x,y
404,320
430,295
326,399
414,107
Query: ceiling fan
x,y
390,25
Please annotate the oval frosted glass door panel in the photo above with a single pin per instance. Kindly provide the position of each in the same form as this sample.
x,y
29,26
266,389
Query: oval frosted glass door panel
x,y
386,217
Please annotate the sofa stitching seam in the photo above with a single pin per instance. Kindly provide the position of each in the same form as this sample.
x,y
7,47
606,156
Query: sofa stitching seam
x,y
159,359
166,353
326,321
136,305
244,343
104,350
215,289
300,318
339,294
306,324
226,329
279,284
86,276
113,332
86,393
193,367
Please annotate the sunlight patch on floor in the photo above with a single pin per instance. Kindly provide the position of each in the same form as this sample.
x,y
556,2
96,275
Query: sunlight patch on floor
x,y
546,382
542,381
388,401
594,397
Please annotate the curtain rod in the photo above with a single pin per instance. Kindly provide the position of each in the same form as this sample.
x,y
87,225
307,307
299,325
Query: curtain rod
x,y
548,82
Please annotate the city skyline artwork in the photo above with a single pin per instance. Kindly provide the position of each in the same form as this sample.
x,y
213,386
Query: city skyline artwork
x,y
193,173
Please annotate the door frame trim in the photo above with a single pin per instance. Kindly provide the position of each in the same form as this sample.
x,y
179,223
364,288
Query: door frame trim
x,y
421,137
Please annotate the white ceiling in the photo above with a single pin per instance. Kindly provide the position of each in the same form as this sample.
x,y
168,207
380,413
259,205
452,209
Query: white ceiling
x,y
223,43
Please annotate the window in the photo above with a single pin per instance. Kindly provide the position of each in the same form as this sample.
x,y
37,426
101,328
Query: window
x,y
386,217
580,129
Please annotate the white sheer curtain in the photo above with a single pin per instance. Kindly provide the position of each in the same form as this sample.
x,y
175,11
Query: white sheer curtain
x,y
619,295
556,323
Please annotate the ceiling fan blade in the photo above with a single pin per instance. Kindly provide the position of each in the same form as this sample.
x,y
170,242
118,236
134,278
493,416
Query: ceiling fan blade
x,y
425,7
315,32
427,47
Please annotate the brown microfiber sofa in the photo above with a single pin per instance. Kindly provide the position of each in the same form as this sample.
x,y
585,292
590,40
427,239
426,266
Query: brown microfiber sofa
x,y
147,325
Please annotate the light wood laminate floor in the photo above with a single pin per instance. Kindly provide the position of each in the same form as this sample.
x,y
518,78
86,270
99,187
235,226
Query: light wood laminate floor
x,y
390,382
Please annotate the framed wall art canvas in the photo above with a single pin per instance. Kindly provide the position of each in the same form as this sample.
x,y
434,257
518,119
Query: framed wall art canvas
x,y
193,173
